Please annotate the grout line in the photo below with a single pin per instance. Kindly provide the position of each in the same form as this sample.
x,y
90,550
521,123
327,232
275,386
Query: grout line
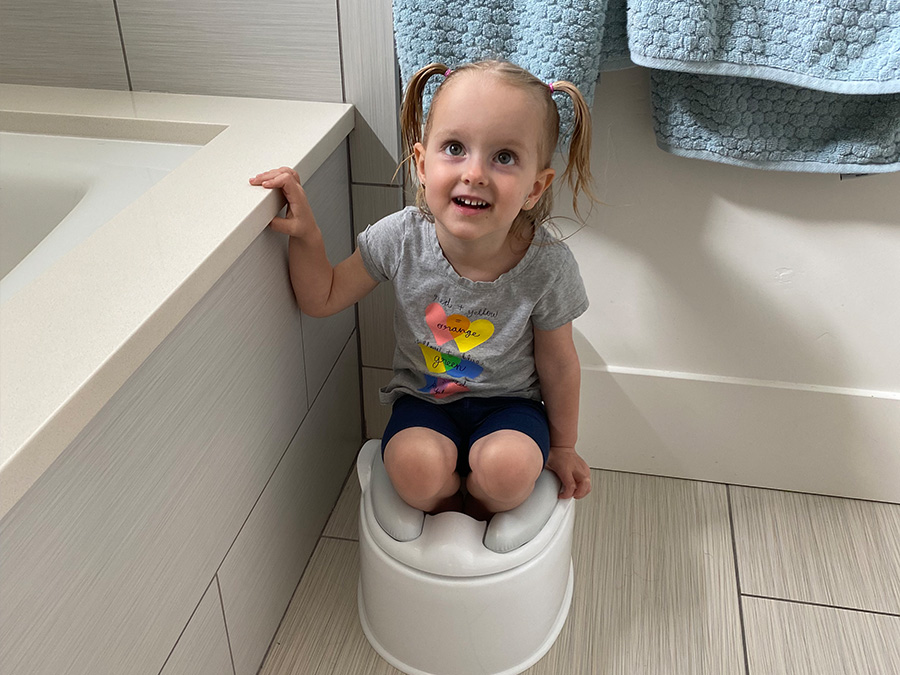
x,y
183,630
122,42
331,536
738,485
340,37
303,348
822,604
737,578
382,185
225,622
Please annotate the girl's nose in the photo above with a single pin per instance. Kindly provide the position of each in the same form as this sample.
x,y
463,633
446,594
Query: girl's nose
x,y
474,172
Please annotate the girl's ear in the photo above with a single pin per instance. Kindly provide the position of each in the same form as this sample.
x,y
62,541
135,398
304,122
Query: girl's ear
x,y
419,155
541,183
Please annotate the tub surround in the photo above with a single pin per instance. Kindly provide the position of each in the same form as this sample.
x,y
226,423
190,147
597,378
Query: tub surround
x,y
72,337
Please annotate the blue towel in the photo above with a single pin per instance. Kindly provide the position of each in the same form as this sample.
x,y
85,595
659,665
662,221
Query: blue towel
x,y
770,125
554,40
797,85
614,52
841,46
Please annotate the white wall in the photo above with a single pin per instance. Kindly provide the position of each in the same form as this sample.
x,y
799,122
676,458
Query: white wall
x,y
757,289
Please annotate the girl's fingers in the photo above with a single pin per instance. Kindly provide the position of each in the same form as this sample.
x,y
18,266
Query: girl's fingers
x,y
568,487
289,186
583,488
575,483
259,178
285,181
280,224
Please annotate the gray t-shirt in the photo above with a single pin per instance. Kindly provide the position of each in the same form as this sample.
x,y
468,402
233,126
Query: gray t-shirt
x,y
457,337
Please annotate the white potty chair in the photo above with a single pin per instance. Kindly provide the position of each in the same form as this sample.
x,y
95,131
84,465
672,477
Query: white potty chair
x,y
449,595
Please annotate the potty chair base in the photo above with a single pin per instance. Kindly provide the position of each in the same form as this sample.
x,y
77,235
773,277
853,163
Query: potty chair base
x,y
425,625
469,611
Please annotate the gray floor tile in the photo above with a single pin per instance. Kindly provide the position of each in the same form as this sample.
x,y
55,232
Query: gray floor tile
x,y
785,638
665,596
824,550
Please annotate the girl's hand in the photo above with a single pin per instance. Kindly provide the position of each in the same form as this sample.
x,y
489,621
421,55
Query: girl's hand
x,y
573,472
299,221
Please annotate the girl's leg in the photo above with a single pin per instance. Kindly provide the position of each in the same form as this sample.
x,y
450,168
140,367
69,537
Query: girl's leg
x,y
505,465
421,464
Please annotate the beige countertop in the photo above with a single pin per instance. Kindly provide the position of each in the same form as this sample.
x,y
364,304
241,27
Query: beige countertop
x,y
72,337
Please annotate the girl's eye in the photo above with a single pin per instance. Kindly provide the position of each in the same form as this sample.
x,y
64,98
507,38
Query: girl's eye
x,y
505,158
454,149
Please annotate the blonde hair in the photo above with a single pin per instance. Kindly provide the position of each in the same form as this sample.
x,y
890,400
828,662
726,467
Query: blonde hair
x,y
578,161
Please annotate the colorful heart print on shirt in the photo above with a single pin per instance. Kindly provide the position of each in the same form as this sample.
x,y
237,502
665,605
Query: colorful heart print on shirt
x,y
467,334
441,388
448,364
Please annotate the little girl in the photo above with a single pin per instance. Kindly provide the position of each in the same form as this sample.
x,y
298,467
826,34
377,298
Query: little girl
x,y
486,378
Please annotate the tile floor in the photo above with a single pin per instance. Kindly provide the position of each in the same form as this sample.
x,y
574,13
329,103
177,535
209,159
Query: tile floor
x,y
673,577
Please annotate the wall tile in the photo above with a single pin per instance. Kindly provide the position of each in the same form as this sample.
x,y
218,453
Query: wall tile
x,y
371,203
61,43
281,49
328,191
377,415
372,85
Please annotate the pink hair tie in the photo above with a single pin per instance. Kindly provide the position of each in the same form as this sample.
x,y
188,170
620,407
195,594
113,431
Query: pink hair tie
x,y
551,87
447,72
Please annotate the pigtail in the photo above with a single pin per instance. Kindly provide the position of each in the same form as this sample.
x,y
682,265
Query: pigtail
x,y
578,162
411,116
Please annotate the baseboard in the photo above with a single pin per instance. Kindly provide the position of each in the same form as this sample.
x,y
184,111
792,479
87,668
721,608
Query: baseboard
x,y
823,440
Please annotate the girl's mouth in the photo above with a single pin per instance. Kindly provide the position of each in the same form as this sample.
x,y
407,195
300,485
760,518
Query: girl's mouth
x,y
470,203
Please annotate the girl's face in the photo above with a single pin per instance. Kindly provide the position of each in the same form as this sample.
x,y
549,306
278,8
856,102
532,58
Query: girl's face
x,y
481,161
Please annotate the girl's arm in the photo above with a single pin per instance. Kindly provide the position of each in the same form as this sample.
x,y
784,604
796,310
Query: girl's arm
x,y
560,375
320,289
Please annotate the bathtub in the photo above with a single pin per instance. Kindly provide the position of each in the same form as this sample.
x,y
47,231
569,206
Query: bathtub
x,y
112,253
55,191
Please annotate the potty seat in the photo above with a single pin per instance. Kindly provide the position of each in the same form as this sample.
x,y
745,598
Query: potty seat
x,y
449,595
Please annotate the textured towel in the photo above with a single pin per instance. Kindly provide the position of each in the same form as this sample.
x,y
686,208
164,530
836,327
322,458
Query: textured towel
x,y
804,85
734,70
770,125
841,46
554,40
614,52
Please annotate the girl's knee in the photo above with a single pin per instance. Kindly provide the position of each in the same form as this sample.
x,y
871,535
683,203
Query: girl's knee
x,y
506,464
419,464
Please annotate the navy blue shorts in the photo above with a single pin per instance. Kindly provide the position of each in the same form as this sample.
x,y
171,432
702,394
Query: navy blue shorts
x,y
466,420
